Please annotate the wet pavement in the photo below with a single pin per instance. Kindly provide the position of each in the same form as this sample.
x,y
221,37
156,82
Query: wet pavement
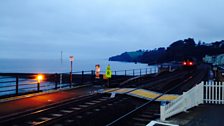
x,y
202,115
13,107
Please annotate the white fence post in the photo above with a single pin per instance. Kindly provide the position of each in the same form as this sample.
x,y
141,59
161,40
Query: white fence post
x,y
213,93
206,91
216,93
209,92
222,92
219,96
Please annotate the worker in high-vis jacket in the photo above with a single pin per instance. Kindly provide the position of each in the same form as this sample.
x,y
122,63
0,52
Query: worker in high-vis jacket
x,y
108,75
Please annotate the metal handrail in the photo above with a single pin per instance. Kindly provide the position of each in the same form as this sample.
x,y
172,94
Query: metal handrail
x,y
85,77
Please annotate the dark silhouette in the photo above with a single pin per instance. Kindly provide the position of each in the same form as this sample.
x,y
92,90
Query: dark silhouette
x,y
175,52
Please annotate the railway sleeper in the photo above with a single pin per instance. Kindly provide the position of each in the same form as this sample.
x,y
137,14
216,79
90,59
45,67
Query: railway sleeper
x,y
101,115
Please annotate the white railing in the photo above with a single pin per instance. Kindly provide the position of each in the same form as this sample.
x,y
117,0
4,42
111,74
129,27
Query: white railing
x,y
205,92
214,92
189,99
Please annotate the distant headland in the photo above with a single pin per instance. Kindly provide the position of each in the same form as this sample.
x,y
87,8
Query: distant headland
x,y
175,52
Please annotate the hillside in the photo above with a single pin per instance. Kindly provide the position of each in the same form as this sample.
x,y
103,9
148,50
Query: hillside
x,y
175,52
127,56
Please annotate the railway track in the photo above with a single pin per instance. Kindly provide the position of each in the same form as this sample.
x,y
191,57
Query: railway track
x,y
95,110
153,81
143,117
150,110
76,112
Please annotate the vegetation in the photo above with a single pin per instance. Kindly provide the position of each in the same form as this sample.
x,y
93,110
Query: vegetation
x,y
175,52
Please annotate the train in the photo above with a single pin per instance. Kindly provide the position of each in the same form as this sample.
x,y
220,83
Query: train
x,y
189,63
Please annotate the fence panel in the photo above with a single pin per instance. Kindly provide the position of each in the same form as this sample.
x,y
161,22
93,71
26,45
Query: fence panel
x,y
189,99
205,92
214,92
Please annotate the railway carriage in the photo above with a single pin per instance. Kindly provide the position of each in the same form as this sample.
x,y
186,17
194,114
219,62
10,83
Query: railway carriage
x,y
189,63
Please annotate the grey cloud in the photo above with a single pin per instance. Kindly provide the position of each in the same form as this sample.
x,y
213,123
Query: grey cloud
x,y
102,28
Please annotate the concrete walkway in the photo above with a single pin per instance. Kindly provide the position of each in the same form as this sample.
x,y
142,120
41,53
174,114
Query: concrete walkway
x,y
142,93
202,115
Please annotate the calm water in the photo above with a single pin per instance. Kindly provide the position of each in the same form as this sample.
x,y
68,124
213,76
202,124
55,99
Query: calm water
x,y
55,66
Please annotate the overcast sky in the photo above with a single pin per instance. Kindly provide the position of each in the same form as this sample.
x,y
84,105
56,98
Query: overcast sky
x,y
102,28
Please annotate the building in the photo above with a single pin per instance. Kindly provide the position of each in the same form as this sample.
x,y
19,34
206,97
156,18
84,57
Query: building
x,y
215,60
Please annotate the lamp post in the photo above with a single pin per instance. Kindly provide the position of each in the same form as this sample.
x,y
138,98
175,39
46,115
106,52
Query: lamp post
x,y
71,58
39,78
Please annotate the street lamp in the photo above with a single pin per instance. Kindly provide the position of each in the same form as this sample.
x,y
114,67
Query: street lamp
x,y
39,79
71,58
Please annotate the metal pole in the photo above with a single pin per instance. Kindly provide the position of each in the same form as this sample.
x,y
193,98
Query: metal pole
x,y
71,75
56,80
38,86
133,72
17,85
140,72
115,73
125,72
92,76
146,71
60,79
82,76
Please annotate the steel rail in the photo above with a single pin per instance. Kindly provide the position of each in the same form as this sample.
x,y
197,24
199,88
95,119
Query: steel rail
x,y
147,103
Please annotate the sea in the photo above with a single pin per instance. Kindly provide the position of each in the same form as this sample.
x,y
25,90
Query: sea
x,y
58,66
7,84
